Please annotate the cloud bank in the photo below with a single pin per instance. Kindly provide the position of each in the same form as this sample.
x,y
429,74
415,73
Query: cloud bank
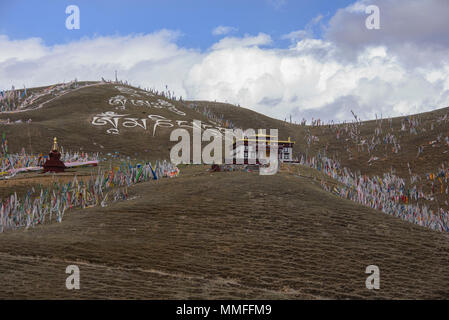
x,y
392,71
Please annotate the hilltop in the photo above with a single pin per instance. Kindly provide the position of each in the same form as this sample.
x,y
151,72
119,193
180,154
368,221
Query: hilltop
x,y
70,116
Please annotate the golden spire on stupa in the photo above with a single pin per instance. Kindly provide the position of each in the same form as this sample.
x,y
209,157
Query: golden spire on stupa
x,y
55,144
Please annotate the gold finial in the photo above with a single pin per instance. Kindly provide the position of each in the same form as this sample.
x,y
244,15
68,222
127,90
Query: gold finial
x,y
55,145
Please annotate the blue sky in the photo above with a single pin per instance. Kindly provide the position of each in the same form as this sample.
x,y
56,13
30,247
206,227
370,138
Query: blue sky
x,y
195,19
277,59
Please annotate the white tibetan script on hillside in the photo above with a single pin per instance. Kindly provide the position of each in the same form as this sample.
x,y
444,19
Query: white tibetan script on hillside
x,y
116,120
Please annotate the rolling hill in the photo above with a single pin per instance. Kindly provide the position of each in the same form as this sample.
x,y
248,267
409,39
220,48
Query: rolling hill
x,y
226,234
69,116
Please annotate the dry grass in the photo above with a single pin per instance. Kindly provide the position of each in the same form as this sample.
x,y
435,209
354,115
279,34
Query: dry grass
x,y
217,235
226,235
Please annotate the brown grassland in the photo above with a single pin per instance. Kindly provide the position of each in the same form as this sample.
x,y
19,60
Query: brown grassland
x,y
222,235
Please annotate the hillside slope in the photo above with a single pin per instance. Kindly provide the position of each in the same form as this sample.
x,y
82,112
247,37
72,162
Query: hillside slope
x,y
226,235
70,117
113,118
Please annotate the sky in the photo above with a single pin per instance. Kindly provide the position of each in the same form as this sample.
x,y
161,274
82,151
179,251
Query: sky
x,y
311,58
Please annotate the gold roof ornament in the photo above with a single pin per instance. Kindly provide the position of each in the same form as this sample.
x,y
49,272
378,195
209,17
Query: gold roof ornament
x,y
55,145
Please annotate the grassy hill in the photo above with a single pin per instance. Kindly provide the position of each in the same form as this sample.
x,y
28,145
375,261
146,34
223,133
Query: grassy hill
x,y
226,234
143,120
69,117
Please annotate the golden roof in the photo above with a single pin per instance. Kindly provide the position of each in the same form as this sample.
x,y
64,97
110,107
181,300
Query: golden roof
x,y
55,144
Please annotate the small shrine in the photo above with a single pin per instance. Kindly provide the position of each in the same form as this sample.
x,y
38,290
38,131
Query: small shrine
x,y
54,163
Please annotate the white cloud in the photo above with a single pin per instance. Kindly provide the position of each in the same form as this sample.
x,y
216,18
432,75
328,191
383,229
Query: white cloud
x,y
423,24
223,30
295,36
149,60
308,31
21,50
247,41
317,19
312,78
